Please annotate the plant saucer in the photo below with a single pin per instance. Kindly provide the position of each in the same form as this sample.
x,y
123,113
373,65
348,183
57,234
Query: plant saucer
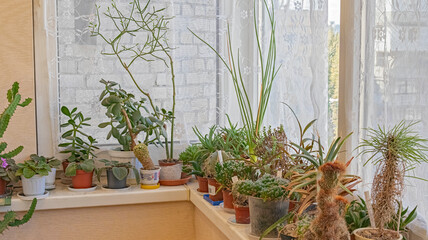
x,y
228,210
232,220
30,198
105,187
94,186
50,187
150,186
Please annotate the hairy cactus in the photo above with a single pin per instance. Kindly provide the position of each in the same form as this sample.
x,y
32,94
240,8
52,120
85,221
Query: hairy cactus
x,y
10,220
329,223
142,153
14,99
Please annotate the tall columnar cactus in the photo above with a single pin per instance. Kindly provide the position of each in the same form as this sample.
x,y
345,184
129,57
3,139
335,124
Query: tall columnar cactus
x,y
14,99
10,220
142,153
329,223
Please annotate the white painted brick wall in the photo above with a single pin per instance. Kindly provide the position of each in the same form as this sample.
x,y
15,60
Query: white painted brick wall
x,y
81,65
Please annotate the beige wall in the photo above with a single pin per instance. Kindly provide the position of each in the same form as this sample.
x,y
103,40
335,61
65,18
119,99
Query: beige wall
x,y
16,61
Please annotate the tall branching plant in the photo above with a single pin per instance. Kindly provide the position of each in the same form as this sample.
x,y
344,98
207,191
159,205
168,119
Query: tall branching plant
x,y
394,152
269,70
154,24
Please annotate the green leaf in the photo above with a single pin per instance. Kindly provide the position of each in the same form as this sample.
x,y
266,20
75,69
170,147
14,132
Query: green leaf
x,y
28,173
71,169
120,172
65,111
103,125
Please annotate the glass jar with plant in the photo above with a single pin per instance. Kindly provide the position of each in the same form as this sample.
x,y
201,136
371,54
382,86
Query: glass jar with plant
x,y
394,152
117,173
193,157
154,23
79,164
267,202
8,167
33,174
224,176
53,164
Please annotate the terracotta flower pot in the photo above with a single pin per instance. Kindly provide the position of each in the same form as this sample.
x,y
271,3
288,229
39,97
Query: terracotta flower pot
x,y
82,179
65,164
213,187
203,184
242,214
3,185
227,199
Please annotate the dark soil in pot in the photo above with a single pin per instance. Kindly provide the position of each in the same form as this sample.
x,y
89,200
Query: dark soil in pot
x,y
203,184
242,214
214,186
265,213
113,182
227,199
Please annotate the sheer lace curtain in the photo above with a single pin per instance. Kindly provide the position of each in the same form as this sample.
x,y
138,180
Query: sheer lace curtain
x,y
394,79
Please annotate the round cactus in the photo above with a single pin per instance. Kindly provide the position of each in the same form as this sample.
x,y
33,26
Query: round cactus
x,y
142,153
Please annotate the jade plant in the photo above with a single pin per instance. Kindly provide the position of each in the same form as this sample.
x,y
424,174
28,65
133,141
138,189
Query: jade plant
x,y
14,101
329,222
129,117
78,145
268,188
10,219
7,169
154,24
33,166
252,118
120,170
142,153
394,152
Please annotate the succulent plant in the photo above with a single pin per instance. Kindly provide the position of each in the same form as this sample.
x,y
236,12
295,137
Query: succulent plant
x,y
193,157
329,222
142,153
14,99
10,220
209,164
268,187
226,171
120,169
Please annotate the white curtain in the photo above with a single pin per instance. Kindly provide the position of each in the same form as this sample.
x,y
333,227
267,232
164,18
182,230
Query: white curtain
x,y
394,79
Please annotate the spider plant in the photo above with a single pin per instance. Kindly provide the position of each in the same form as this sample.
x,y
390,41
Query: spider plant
x,y
269,70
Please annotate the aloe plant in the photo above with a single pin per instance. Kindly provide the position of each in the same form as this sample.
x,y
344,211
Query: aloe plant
x,y
252,122
14,100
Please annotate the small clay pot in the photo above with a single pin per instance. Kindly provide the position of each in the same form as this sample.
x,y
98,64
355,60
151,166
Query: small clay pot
x,y
227,199
242,214
3,185
214,186
203,184
82,179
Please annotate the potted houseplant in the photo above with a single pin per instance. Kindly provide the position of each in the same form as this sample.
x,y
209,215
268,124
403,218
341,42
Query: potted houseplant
x,y
127,121
393,152
329,222
8,166
149,172
33,174
156,49
240,205
193,157
53,163
296,228
224,176
117,173
209,169
79,164
267,202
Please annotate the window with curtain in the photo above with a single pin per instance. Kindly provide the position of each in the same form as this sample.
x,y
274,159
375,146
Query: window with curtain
x,y
394,79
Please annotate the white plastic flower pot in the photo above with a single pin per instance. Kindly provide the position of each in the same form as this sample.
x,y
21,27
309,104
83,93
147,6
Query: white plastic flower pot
x,y
150,177
33,186
50,179
123,157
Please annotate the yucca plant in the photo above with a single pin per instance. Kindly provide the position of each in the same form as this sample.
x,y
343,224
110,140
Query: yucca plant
x,y
253,123
394,152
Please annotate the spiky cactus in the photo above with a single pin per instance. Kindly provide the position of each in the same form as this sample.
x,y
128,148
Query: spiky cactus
x,y
329,223
14,99
10,220
142,153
